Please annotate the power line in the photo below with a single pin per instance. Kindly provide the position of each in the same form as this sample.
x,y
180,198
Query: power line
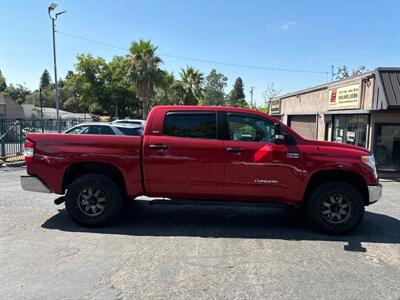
x,y
198,59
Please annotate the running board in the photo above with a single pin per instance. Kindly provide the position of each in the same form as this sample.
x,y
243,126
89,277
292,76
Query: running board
x,y
273,204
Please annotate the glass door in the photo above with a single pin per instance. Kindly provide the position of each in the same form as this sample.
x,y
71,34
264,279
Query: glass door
x,y
387,147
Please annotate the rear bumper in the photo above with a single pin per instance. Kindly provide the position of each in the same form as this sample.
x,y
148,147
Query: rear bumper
x,y
374,193
33,184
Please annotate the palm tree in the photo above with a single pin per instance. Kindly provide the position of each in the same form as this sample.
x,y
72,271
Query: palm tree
x,y
190,86
145,70
166,91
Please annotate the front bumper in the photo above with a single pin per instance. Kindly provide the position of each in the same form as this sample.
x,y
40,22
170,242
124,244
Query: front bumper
x,y
33,184
374,193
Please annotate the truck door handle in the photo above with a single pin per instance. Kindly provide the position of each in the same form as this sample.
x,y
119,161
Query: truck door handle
x,y
235,150
158,147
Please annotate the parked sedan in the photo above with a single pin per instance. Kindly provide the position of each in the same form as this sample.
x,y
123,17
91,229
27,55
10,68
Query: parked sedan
x,y
106,129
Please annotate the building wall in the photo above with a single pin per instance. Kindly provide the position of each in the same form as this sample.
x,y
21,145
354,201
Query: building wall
x,y
317,102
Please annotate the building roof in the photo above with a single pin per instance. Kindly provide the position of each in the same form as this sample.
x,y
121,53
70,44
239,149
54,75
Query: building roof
x,y
387,91
9,107
51,113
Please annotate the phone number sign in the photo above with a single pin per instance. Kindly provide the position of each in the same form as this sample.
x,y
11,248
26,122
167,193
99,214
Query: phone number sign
x,y
345,97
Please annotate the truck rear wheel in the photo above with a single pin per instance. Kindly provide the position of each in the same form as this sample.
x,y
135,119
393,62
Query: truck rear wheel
x,y
335,207
93,199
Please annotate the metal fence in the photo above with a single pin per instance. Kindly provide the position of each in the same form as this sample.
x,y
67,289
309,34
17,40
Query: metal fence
x,y
13,131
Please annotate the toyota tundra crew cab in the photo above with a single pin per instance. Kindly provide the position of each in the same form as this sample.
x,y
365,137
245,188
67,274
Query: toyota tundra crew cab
x,y
216,154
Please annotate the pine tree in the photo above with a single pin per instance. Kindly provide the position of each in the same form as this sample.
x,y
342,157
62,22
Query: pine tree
x,y
237,97
45,79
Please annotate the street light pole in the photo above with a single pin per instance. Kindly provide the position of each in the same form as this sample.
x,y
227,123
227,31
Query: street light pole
x,y
55,77
52,6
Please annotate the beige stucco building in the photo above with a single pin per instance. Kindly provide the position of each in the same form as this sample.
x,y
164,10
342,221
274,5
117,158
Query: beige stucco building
x,y
363,110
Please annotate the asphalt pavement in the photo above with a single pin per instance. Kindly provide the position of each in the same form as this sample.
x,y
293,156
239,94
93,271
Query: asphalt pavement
x,y
192,252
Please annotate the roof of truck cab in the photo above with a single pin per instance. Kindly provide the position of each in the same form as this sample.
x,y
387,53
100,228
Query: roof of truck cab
x,y
201,107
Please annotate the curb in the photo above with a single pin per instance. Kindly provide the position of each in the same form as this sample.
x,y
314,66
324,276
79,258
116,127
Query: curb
x,y
13,164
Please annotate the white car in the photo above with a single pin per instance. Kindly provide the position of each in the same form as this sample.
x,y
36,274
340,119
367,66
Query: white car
x,y
106,128
130,121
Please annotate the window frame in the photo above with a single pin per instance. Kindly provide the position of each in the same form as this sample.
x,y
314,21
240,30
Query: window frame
x,y
188,112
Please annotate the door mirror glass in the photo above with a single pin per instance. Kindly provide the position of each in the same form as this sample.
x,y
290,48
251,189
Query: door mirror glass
x,y
280,136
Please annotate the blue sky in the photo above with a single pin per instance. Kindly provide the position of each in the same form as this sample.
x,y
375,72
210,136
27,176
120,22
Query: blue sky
x,y
302,35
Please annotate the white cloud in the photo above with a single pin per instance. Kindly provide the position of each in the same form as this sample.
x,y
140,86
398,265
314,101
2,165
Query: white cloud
x,y
283,26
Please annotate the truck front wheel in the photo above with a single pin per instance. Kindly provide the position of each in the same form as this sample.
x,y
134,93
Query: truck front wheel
x,y
93,199
335,207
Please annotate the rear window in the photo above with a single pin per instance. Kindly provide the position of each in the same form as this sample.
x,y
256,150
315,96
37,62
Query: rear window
x,y
130,131
191,125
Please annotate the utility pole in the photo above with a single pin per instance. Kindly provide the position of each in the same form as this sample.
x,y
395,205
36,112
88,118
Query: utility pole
x,y
52,7
332,70
251,96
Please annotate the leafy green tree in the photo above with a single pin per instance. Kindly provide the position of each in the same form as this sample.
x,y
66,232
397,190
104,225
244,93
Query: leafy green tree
x,y
45,79
47,98
214,93
190,86
17,92
270,92
359,70
91,78
3,84
343,72
145,71
237,97
120,89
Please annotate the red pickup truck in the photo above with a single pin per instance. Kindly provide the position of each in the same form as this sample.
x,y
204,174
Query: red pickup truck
x,y
217,154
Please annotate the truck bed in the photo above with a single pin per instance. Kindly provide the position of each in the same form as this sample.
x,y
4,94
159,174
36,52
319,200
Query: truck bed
x,y
57,154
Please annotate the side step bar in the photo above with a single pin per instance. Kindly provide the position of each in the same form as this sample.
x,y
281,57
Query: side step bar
x,y
220,203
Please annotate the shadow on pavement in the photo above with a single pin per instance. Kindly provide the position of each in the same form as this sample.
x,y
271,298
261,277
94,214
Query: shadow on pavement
x,y
139,218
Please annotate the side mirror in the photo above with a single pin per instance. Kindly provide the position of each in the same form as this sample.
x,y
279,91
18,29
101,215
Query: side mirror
x,y
279,137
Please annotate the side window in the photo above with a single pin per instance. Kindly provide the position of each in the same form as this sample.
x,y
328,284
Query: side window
x,y
250,128
79,130
191,125
101,129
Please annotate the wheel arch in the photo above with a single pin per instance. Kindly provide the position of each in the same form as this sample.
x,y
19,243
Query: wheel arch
x,y
352,178
80,168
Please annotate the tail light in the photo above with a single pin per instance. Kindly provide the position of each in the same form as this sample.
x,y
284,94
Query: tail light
x,y
29,150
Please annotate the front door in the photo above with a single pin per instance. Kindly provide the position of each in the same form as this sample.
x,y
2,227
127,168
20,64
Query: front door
x,y
187,159
256,168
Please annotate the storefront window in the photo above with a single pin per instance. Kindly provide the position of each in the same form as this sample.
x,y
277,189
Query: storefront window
x,y
387,147
351,129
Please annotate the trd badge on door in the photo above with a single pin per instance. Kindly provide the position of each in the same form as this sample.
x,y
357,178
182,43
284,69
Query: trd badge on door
x,y
266,181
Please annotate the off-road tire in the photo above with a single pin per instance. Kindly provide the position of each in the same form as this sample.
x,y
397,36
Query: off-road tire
x,y
318,199
109,189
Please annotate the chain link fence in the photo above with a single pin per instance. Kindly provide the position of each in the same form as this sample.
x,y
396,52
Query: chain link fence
x,y
13,131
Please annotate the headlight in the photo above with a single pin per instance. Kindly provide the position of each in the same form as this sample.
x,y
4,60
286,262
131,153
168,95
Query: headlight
x,y
370,161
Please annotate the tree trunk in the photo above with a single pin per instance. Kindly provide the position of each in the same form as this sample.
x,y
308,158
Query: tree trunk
x,y
145,108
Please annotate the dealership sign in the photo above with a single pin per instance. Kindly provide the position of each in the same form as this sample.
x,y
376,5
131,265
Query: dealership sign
x,y
275,107
345,97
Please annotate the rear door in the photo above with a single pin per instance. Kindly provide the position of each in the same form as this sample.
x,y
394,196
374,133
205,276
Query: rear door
x,y
187,159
